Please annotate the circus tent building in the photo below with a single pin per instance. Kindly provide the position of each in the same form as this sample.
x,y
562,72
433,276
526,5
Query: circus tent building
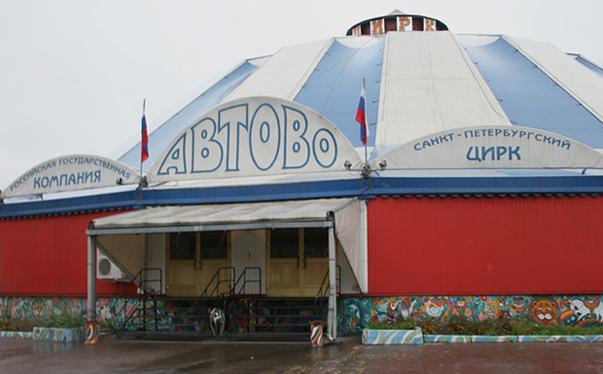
x,y
478,192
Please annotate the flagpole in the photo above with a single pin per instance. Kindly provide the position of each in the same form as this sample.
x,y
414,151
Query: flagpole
x,y
144,104
366,132
141,183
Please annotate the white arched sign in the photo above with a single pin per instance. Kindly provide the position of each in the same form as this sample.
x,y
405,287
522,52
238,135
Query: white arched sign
x,y
71,173
491,147
254,136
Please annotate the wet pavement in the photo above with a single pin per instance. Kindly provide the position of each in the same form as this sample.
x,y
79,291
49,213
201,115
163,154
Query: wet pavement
x,y
119,356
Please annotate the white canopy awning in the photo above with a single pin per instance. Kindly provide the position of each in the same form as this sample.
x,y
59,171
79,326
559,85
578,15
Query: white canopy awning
x,y
217,217
248,216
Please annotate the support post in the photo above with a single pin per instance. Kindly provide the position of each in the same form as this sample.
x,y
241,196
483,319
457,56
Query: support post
x,y
364,246
91,326
91,281
332,315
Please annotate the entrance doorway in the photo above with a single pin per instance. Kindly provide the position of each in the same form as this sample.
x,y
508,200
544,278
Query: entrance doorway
x,y
192,260
297,261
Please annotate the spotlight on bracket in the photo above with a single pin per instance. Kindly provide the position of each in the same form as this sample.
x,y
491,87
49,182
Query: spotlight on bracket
x,y
144,182
366,171
382,164
347,165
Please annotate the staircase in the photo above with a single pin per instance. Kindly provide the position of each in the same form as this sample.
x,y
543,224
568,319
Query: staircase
x,y
275,318
248,316
144,314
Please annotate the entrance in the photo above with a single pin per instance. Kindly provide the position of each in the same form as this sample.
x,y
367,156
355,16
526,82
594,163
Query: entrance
x,y
298,261
193,259
290,244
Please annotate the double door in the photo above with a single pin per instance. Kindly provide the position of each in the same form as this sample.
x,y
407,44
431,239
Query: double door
x,y
193,259
297,261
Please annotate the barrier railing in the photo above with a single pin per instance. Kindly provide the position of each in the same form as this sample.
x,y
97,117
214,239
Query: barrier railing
x,y
143,293
214,285
243,278
323,291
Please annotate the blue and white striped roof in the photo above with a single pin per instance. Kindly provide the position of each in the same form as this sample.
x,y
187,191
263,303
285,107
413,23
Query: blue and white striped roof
x,y
417,83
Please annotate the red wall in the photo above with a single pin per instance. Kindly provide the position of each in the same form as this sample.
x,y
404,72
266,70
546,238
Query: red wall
x,y
485,246
47,257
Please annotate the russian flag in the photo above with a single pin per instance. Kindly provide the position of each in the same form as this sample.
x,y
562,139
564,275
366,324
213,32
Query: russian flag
x,y
361,115
144,144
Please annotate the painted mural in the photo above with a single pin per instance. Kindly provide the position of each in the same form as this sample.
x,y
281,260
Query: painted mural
x,y
171,315
108,310
356,313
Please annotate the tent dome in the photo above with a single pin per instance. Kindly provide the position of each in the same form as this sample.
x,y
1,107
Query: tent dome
x,y
420,78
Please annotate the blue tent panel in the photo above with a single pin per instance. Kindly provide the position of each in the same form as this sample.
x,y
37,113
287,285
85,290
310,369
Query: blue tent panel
x,y
333,88
529,97
160,138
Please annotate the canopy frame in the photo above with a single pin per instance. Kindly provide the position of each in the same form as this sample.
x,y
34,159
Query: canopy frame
x,y
210,227
328,222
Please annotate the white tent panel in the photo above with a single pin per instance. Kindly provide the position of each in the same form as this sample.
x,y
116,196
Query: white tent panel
x,y
348,228
429,85
347,282
259,61
224,214
127,252
582,83
284,73
476,40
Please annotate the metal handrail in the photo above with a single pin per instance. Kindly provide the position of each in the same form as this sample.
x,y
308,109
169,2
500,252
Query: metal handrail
x,y
143,282
243,277
139,281
218,281
323,291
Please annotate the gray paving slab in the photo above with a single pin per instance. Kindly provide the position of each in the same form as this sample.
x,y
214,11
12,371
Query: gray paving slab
x,y
119,356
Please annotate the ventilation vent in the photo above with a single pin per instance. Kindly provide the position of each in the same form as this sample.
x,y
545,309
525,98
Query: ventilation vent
x,y
105,269
104,266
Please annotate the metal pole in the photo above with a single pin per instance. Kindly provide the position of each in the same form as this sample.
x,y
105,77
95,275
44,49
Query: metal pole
x,y
144,105
332,315
91,272
364,245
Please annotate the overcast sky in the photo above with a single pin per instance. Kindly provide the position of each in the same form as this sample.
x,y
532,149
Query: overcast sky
x,y
73,73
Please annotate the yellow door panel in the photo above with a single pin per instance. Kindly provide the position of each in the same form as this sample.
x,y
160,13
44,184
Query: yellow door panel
x,y
189,270
207,272
314,274
182,278
283,278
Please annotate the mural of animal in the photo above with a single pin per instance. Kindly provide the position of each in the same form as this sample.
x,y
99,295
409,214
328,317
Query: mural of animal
x,y
217,321
434,307
544,311
518,307
105,313
582,311
353,313
488,308
598,310
460,307
399,310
